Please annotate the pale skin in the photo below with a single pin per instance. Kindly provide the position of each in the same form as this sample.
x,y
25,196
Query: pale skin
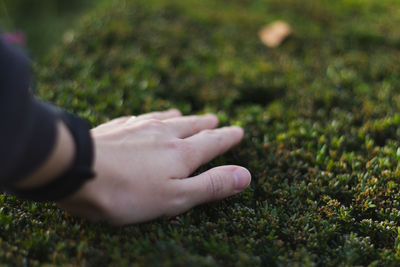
x,y
143,166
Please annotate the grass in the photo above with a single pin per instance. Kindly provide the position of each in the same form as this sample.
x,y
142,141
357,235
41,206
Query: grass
x,y
321,115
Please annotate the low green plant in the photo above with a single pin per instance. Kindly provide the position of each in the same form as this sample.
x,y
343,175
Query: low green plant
x,y
321,115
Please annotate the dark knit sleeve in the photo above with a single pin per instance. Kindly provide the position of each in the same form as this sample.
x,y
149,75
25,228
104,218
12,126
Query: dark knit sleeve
x,y
27,132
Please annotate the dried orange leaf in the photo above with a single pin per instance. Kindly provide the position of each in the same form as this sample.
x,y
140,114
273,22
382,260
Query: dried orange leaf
x,y
275,33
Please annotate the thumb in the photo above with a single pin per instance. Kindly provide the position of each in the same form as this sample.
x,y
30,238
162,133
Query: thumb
x,y
216,183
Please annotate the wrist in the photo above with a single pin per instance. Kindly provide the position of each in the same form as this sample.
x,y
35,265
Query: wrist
x,y
60,159
72,174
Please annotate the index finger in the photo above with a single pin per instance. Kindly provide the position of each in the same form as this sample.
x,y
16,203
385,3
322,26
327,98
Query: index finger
x,y
190,125
211,143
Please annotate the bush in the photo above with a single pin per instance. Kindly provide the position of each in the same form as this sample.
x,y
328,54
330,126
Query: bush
x,y
321,115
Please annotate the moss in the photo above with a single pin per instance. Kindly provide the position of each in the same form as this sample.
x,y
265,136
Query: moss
x,y
321,120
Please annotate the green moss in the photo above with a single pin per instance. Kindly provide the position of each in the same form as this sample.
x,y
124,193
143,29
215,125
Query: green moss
x,y
321,120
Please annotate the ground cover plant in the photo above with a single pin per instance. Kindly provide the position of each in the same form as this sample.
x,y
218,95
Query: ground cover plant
x,y
321,114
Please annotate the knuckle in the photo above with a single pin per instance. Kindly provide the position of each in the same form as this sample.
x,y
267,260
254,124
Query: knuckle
x,y
153,123
183,152
215,185
208,132
196,123
173,144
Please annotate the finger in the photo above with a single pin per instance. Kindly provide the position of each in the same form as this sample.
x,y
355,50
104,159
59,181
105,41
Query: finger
x,y
208,144
214,184
190,125
161,115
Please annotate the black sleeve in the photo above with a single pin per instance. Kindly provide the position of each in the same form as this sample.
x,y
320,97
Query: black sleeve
x,y
27,125
28,131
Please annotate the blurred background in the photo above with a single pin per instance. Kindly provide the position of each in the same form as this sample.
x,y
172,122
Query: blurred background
x,y
42,22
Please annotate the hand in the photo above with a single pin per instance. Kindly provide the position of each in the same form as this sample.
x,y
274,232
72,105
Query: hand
x,y
142,164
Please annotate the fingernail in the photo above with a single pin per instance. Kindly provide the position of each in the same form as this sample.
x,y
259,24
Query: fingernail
x,y
242,178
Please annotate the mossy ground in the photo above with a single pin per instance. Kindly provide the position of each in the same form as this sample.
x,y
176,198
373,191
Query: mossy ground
x,y
321,115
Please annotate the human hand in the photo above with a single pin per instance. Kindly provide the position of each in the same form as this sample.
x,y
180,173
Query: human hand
x,y
143,163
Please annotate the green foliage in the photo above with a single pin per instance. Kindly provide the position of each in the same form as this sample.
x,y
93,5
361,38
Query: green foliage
x,y
42,21
321,115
